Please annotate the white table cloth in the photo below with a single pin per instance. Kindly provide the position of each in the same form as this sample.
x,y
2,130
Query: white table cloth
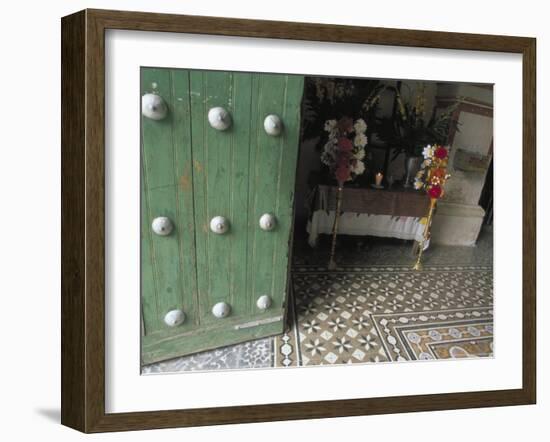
x,y
351,223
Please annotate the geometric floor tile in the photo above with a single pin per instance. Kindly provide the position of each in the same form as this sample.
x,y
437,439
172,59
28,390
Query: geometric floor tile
x,y
439,335
388,313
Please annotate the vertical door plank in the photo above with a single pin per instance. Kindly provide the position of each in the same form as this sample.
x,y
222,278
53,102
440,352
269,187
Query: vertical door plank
x,y
159,174
183,160
218,148
286,184
221,188
199,126
240,96
165,252
253,193
149,308
272,185
271,89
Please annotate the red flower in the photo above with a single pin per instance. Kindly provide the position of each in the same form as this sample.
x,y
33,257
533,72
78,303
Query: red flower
x,y
439,173
342,159
345,124
435,191
345,144
441,153
343,173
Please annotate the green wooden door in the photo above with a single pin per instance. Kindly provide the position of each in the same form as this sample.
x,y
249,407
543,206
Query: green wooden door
x,y
214,284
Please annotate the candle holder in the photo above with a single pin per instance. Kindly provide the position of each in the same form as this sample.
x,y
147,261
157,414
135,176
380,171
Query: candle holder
x,y
378,181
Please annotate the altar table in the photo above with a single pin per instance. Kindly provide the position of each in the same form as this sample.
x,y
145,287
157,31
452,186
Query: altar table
x,y
393,213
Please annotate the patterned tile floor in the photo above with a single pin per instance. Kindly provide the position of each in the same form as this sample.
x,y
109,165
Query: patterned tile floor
x,y
376,314
373,308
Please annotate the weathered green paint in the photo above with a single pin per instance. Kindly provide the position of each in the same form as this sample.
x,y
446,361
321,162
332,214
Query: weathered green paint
x,y
271,184
165,160
161,347
184,190
149,309
191,173
221,170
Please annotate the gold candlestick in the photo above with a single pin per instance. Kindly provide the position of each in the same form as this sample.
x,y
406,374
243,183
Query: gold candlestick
x,y
426,235
332,262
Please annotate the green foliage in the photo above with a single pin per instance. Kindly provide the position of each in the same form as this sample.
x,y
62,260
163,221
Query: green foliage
x,y
409,131
327,98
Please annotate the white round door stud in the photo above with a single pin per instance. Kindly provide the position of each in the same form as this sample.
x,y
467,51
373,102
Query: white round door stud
x,y
263,302
268,222
162,226
221,310
219,118
273,125
153,107
219,225
174,318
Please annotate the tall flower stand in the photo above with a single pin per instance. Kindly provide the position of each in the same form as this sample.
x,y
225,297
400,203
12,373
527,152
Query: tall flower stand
x,y
332,263
426,236
432,177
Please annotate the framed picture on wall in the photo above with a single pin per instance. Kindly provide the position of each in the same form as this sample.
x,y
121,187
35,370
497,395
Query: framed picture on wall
x,y
292,220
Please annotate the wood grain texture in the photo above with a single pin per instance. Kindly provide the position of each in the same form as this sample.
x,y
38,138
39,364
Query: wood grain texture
x,y
194,24
220,160
240,173
167,262
170,344
529,221
73,109
159,181
83,286
271,184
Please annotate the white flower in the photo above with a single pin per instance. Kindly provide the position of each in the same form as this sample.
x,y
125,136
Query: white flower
x,y
327,158
360,154
333,135
426,163
420,174
360,126
428,152
418,184
330,125
330,146
358,168
360,140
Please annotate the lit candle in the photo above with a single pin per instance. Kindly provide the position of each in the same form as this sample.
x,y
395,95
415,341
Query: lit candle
x,y
378,178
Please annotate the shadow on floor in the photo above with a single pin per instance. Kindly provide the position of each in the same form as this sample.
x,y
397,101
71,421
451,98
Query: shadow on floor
x,y
51,414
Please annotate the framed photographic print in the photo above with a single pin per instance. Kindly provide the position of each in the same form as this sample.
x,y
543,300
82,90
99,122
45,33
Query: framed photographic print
x,y
269,220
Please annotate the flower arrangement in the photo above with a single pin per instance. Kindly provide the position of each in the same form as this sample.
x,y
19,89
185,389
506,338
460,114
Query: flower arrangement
x,y
326,97
344,152
433,171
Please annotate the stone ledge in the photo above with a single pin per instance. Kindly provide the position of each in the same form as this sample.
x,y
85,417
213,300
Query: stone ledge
x,y
457,209
457,224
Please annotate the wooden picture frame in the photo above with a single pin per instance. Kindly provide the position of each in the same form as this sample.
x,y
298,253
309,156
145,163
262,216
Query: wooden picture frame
x,y
83,220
